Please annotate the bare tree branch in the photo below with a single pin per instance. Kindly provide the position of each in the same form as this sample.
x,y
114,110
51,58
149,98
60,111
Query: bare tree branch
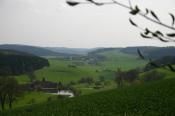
x,y
129,8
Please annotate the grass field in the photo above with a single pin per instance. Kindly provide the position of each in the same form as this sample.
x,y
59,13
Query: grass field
x,y
150,99
30,98
117,59
59,70
168,74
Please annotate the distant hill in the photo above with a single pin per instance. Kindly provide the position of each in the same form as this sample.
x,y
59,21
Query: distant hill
x,y
161,55
101,50
113,58
162,62
151,52
39,51
79,51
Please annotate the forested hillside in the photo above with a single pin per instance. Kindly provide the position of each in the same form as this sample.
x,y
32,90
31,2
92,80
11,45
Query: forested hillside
x,y
151,51
17,63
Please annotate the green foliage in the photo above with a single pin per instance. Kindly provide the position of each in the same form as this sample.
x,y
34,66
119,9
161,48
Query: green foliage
x,y
168,74
88,80
128,77
153,76
35,97
9,90
17,63
150,99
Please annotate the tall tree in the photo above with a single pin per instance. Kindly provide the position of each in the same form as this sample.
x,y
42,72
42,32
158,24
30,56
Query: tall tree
x,y
2,92
9,89
12,90
119,78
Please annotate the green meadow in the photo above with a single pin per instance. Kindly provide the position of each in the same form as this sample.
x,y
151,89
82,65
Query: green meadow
x,y
59,71
147,99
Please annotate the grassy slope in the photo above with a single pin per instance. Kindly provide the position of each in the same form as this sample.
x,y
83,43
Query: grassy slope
x,y
117,59
151,99
32,97
59,71
168,74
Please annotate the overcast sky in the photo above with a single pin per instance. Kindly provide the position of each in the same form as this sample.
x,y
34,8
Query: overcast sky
x,y
54,23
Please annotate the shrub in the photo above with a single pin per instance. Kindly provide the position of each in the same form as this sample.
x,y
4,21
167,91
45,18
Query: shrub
x,y
31,101
126,76
153,76
86,80
49,99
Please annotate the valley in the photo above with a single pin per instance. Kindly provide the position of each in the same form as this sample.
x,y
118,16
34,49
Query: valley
x,y
93,74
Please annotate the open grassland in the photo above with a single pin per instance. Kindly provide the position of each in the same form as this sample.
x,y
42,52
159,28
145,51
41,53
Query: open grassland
x,y
59,70
116,59
89,89
149,99
29,98
168,74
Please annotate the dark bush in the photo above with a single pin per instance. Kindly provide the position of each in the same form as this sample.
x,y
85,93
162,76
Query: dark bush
x,y
86,80
153,76
126,76
49,99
